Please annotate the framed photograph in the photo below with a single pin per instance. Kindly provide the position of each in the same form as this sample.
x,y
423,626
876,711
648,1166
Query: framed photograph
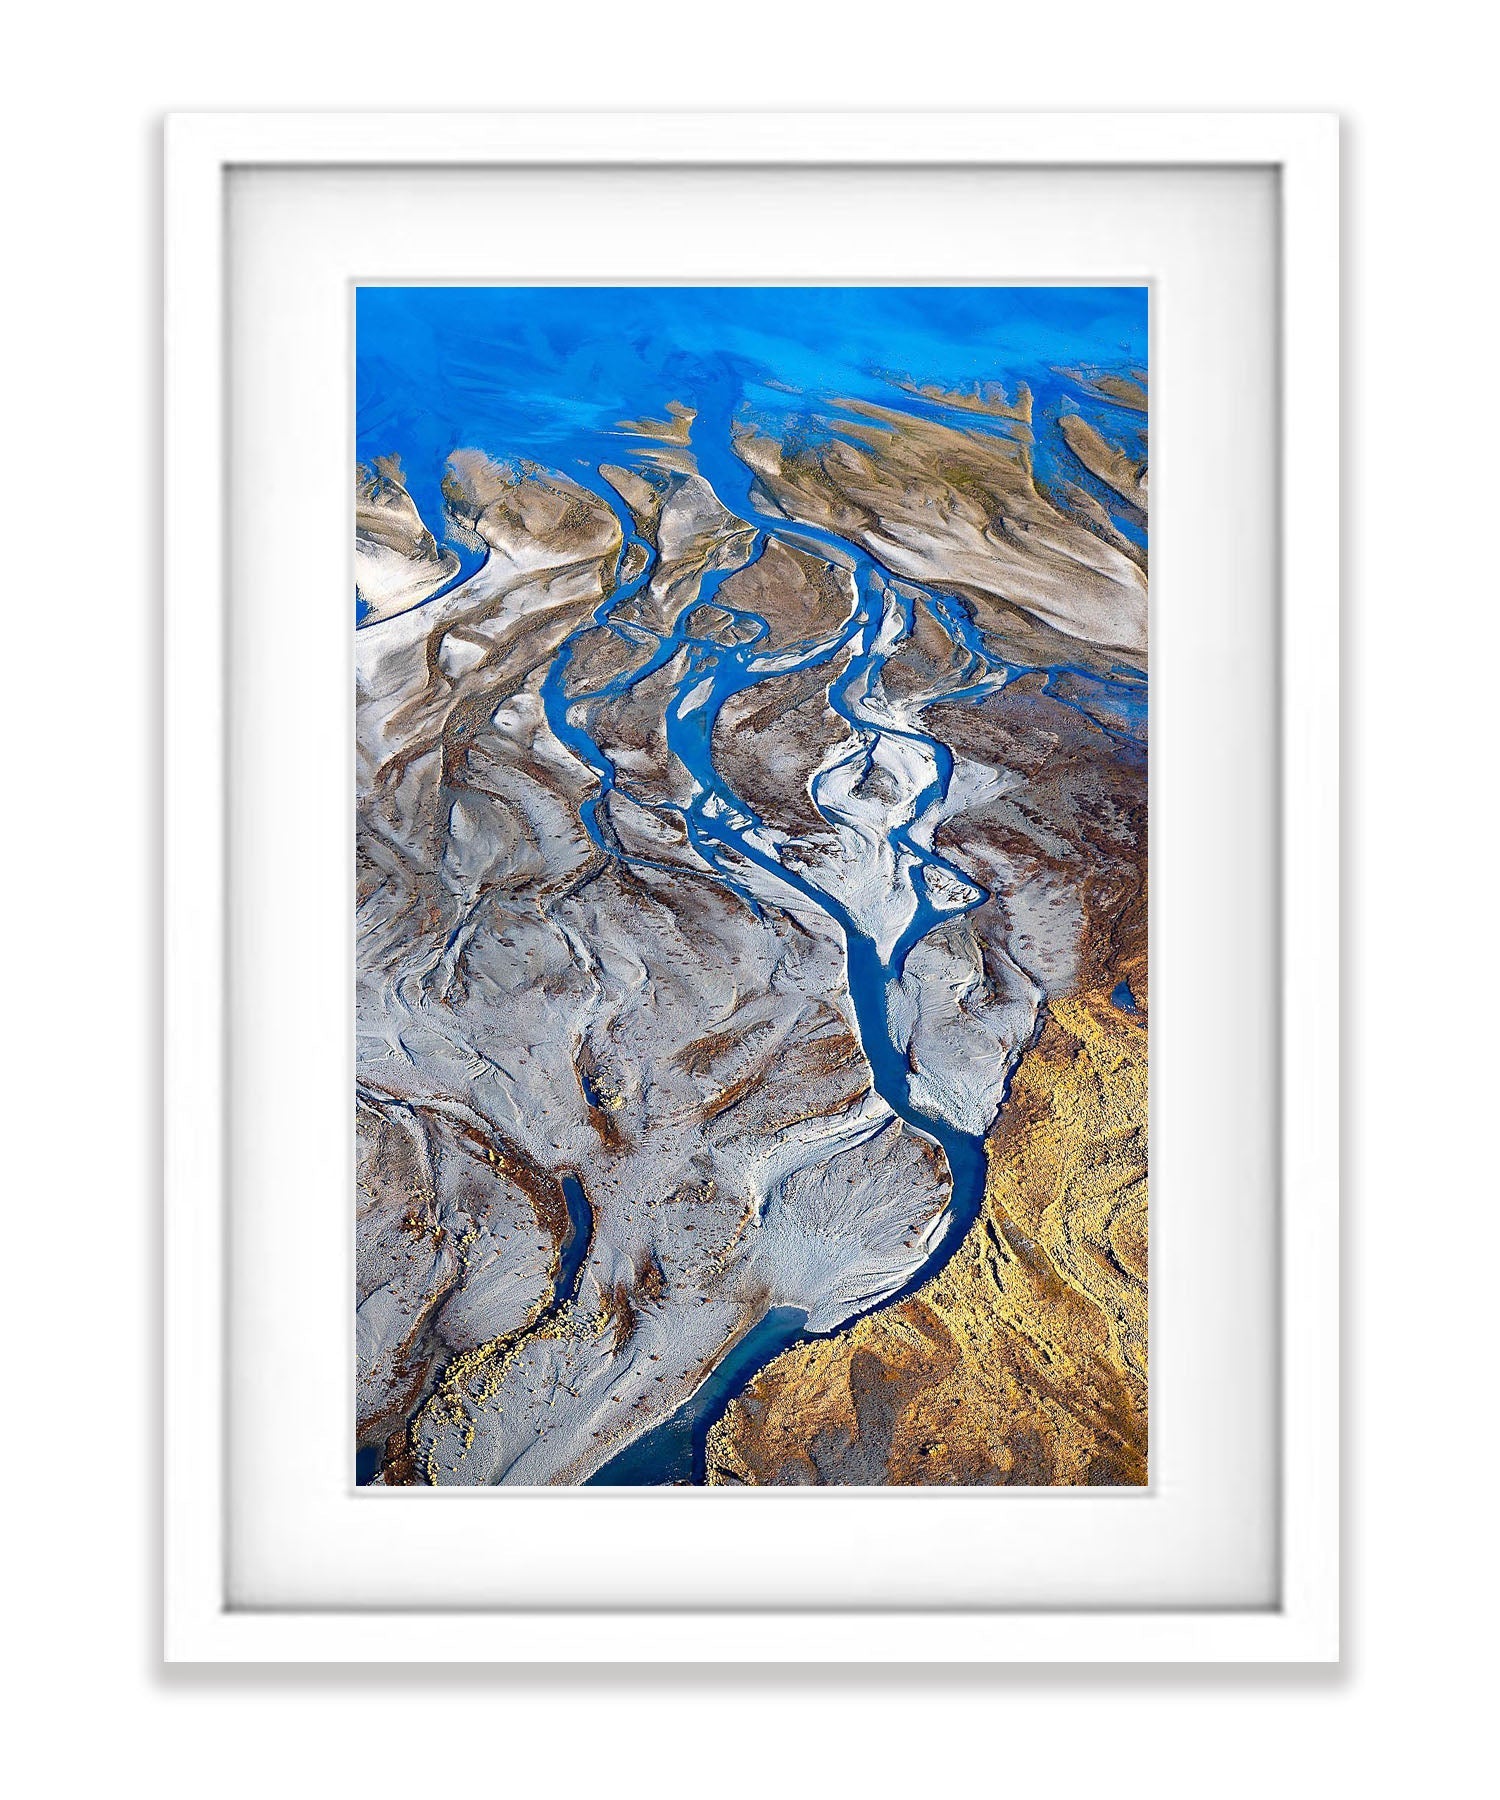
x,y
726,677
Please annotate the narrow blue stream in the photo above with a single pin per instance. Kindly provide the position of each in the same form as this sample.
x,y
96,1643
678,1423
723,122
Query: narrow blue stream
x,y
574,1251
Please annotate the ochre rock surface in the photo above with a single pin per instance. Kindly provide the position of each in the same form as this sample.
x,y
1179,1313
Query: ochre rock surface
x,y
1023,1361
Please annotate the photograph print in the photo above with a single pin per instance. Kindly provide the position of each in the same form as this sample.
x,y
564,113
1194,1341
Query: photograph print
x,y
751,886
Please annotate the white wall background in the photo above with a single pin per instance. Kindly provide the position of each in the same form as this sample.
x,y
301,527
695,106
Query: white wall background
x,y
84,89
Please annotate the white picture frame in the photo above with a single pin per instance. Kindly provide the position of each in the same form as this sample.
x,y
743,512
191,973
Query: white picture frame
x,y
202,1621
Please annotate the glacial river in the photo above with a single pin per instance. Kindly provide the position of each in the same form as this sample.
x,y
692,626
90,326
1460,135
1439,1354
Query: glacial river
x,y
727,833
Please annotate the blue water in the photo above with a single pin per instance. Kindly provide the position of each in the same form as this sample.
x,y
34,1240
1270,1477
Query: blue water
x,y
547,375
574,1251
674,1453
